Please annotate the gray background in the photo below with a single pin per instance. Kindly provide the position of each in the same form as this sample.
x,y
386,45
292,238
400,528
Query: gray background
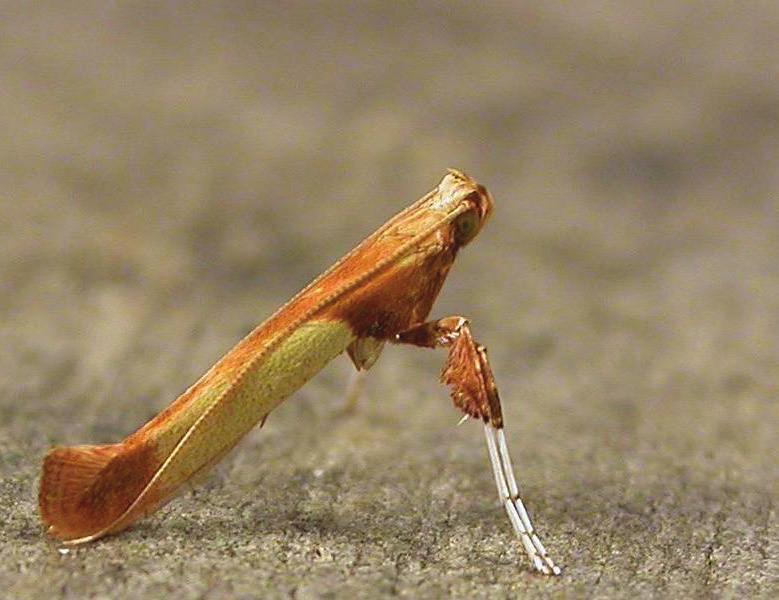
x,y
170,174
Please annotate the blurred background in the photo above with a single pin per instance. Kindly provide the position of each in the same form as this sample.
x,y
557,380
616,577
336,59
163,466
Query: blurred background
x,y
171,172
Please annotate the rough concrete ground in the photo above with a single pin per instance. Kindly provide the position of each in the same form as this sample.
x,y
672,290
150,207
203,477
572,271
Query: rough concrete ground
x,y
169,174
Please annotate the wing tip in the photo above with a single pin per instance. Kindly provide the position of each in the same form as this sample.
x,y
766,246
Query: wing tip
x,y
84,490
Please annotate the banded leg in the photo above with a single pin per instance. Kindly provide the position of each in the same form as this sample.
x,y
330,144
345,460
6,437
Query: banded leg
x,y
468,374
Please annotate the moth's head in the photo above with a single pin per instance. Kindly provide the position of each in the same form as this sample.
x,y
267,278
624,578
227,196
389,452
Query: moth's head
x,y
470,201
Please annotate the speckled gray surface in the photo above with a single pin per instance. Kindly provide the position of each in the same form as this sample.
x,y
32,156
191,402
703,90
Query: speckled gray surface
x,y
169,174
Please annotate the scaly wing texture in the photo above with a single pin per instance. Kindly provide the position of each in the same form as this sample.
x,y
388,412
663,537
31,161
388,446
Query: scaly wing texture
x,y
78,490
90,491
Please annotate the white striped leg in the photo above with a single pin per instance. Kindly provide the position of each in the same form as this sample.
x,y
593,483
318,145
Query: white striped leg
x,y
509,497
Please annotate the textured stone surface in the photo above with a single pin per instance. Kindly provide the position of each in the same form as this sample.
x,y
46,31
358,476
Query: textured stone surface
x,y
170,174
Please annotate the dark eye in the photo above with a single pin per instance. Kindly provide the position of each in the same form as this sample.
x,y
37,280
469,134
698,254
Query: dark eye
x,y
466,226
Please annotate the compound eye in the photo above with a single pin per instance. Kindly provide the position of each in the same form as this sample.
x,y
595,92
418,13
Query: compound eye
x,y
466,226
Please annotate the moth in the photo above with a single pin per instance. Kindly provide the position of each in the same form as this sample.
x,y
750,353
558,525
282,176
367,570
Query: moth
x,y
382,291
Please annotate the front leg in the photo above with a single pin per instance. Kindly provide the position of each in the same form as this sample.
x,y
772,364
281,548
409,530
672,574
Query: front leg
x,y
467,371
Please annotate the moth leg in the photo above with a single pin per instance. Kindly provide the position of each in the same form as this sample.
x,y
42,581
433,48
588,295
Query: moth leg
x,y
353,392
468,374
363,352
